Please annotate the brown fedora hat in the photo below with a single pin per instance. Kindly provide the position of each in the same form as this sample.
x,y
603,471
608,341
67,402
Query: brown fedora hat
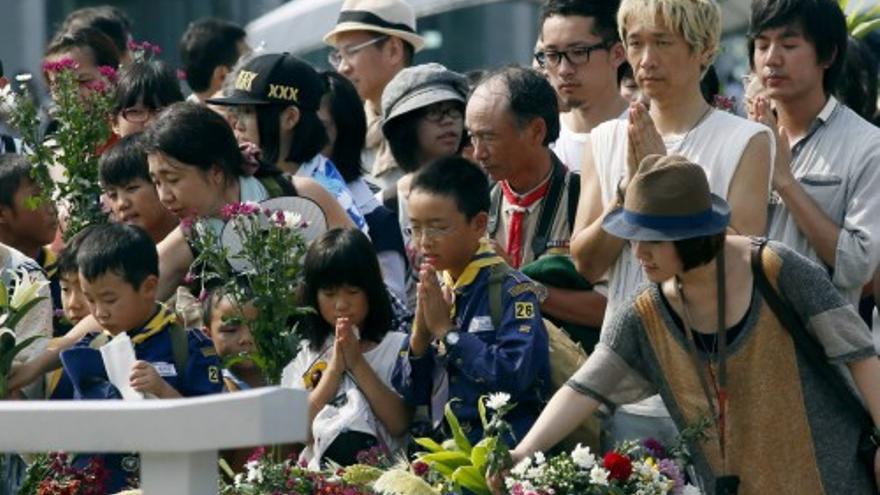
x,y
668,199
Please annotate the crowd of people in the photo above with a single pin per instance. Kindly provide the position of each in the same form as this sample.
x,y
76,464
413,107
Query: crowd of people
x,y
473,219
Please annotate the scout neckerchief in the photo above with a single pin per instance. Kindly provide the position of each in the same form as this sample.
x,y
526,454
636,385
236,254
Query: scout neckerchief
x,y
156,324
520,206
724,484
484,257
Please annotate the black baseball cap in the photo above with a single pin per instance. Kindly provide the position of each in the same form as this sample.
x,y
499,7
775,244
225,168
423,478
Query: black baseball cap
x,y
273,79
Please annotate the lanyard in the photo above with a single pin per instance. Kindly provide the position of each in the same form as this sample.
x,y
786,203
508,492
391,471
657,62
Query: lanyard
x,y
718,390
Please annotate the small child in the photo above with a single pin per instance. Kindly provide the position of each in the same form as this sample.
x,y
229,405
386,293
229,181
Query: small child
x,y
119,272
232,336
347,360
125,177
469,354
75,308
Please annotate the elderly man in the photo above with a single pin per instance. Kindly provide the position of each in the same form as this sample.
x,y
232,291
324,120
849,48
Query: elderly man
x,y
512,118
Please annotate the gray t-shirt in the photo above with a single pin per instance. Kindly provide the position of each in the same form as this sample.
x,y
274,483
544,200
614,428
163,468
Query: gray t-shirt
x,y
787,432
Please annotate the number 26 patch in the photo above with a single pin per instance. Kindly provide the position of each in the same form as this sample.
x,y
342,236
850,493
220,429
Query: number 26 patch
x,y
524,310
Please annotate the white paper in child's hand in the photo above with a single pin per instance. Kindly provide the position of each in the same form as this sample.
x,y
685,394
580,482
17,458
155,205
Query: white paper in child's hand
x,y
118,356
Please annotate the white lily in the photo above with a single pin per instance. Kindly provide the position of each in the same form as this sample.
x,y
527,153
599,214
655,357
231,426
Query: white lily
x,y
26,287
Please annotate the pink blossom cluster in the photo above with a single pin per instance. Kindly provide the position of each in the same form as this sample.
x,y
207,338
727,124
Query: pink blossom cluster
x,y
144,47
232,210
60,65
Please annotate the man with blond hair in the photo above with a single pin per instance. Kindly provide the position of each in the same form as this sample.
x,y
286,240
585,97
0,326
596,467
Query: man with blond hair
x,y
669,44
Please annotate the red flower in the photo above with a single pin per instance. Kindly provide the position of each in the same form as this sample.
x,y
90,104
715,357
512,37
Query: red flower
x,y
619,466
420,468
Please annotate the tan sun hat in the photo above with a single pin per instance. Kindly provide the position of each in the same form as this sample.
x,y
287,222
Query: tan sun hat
x,y
391,17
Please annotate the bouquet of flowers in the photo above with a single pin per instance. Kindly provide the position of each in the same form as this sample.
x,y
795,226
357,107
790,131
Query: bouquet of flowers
x,y
12,310
633,468
263,475
66,164
263,267
53,474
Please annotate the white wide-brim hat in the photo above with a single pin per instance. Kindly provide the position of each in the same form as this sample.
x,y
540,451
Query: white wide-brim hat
x,y
391,17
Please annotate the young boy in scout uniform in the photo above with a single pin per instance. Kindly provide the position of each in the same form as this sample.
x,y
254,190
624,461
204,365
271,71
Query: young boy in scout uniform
x,y
463,344
118,272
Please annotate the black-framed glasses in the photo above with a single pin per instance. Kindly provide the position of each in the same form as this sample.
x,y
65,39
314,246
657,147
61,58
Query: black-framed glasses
x,y
577,55
336,57
137,115
436,113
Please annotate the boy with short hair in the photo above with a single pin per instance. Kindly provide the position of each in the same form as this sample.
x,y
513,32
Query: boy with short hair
x,y
27,224
119,273
467,349
130,194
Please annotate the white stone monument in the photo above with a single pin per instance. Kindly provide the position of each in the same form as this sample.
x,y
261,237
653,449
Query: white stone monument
x,y
178,439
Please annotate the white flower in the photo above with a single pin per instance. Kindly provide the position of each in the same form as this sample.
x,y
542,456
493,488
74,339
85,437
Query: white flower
x,y
293,220
239,479
599,476
255,473
535,472
497,400
583,457
539,458
521,467
23,78
26,287
690,489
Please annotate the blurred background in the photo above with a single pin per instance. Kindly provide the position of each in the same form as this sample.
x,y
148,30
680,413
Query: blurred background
x,y
462,34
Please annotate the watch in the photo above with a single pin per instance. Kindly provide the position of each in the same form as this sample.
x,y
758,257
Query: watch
x,y
452,337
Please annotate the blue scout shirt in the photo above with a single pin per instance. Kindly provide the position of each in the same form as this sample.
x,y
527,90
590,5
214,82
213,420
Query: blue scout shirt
x,y
84,368
513,358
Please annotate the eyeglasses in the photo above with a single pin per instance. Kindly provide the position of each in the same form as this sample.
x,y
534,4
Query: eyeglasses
x,y
337,56
137,115
578,55
436,113
416,233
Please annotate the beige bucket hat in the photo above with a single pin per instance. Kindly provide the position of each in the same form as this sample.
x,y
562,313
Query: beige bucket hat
x,y
391,17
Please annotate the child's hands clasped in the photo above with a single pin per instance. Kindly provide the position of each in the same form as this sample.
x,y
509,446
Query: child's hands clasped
x,y
434,302
348,344
145,379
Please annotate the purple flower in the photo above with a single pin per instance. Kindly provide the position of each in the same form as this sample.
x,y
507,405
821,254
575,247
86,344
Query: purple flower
x,y
230,210
655,448
670,469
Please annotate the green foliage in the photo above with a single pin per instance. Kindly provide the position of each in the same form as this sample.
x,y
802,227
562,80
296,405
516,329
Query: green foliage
x,y
860,22
66,164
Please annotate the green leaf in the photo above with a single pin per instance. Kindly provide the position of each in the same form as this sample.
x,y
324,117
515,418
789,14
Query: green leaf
x,y
480,454
481,408
4,295
471,478
448,458
461,439
8,356
866,28
429,444
17,314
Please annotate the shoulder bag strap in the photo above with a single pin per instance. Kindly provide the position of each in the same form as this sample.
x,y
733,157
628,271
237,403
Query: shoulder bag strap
x,y
803,340
550,208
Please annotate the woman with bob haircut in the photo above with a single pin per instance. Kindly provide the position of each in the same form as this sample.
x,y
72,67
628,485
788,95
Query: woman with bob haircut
x,y
707,336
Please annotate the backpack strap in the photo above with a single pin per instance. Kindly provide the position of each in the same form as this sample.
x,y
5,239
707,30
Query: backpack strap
x,y
179,348
550,207
497,273
494,210
574,194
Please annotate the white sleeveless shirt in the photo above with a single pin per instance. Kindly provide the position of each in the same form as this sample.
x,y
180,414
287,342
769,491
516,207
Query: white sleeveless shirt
x,y
717,144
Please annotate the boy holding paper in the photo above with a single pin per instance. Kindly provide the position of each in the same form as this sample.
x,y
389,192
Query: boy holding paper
x,y
142,351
